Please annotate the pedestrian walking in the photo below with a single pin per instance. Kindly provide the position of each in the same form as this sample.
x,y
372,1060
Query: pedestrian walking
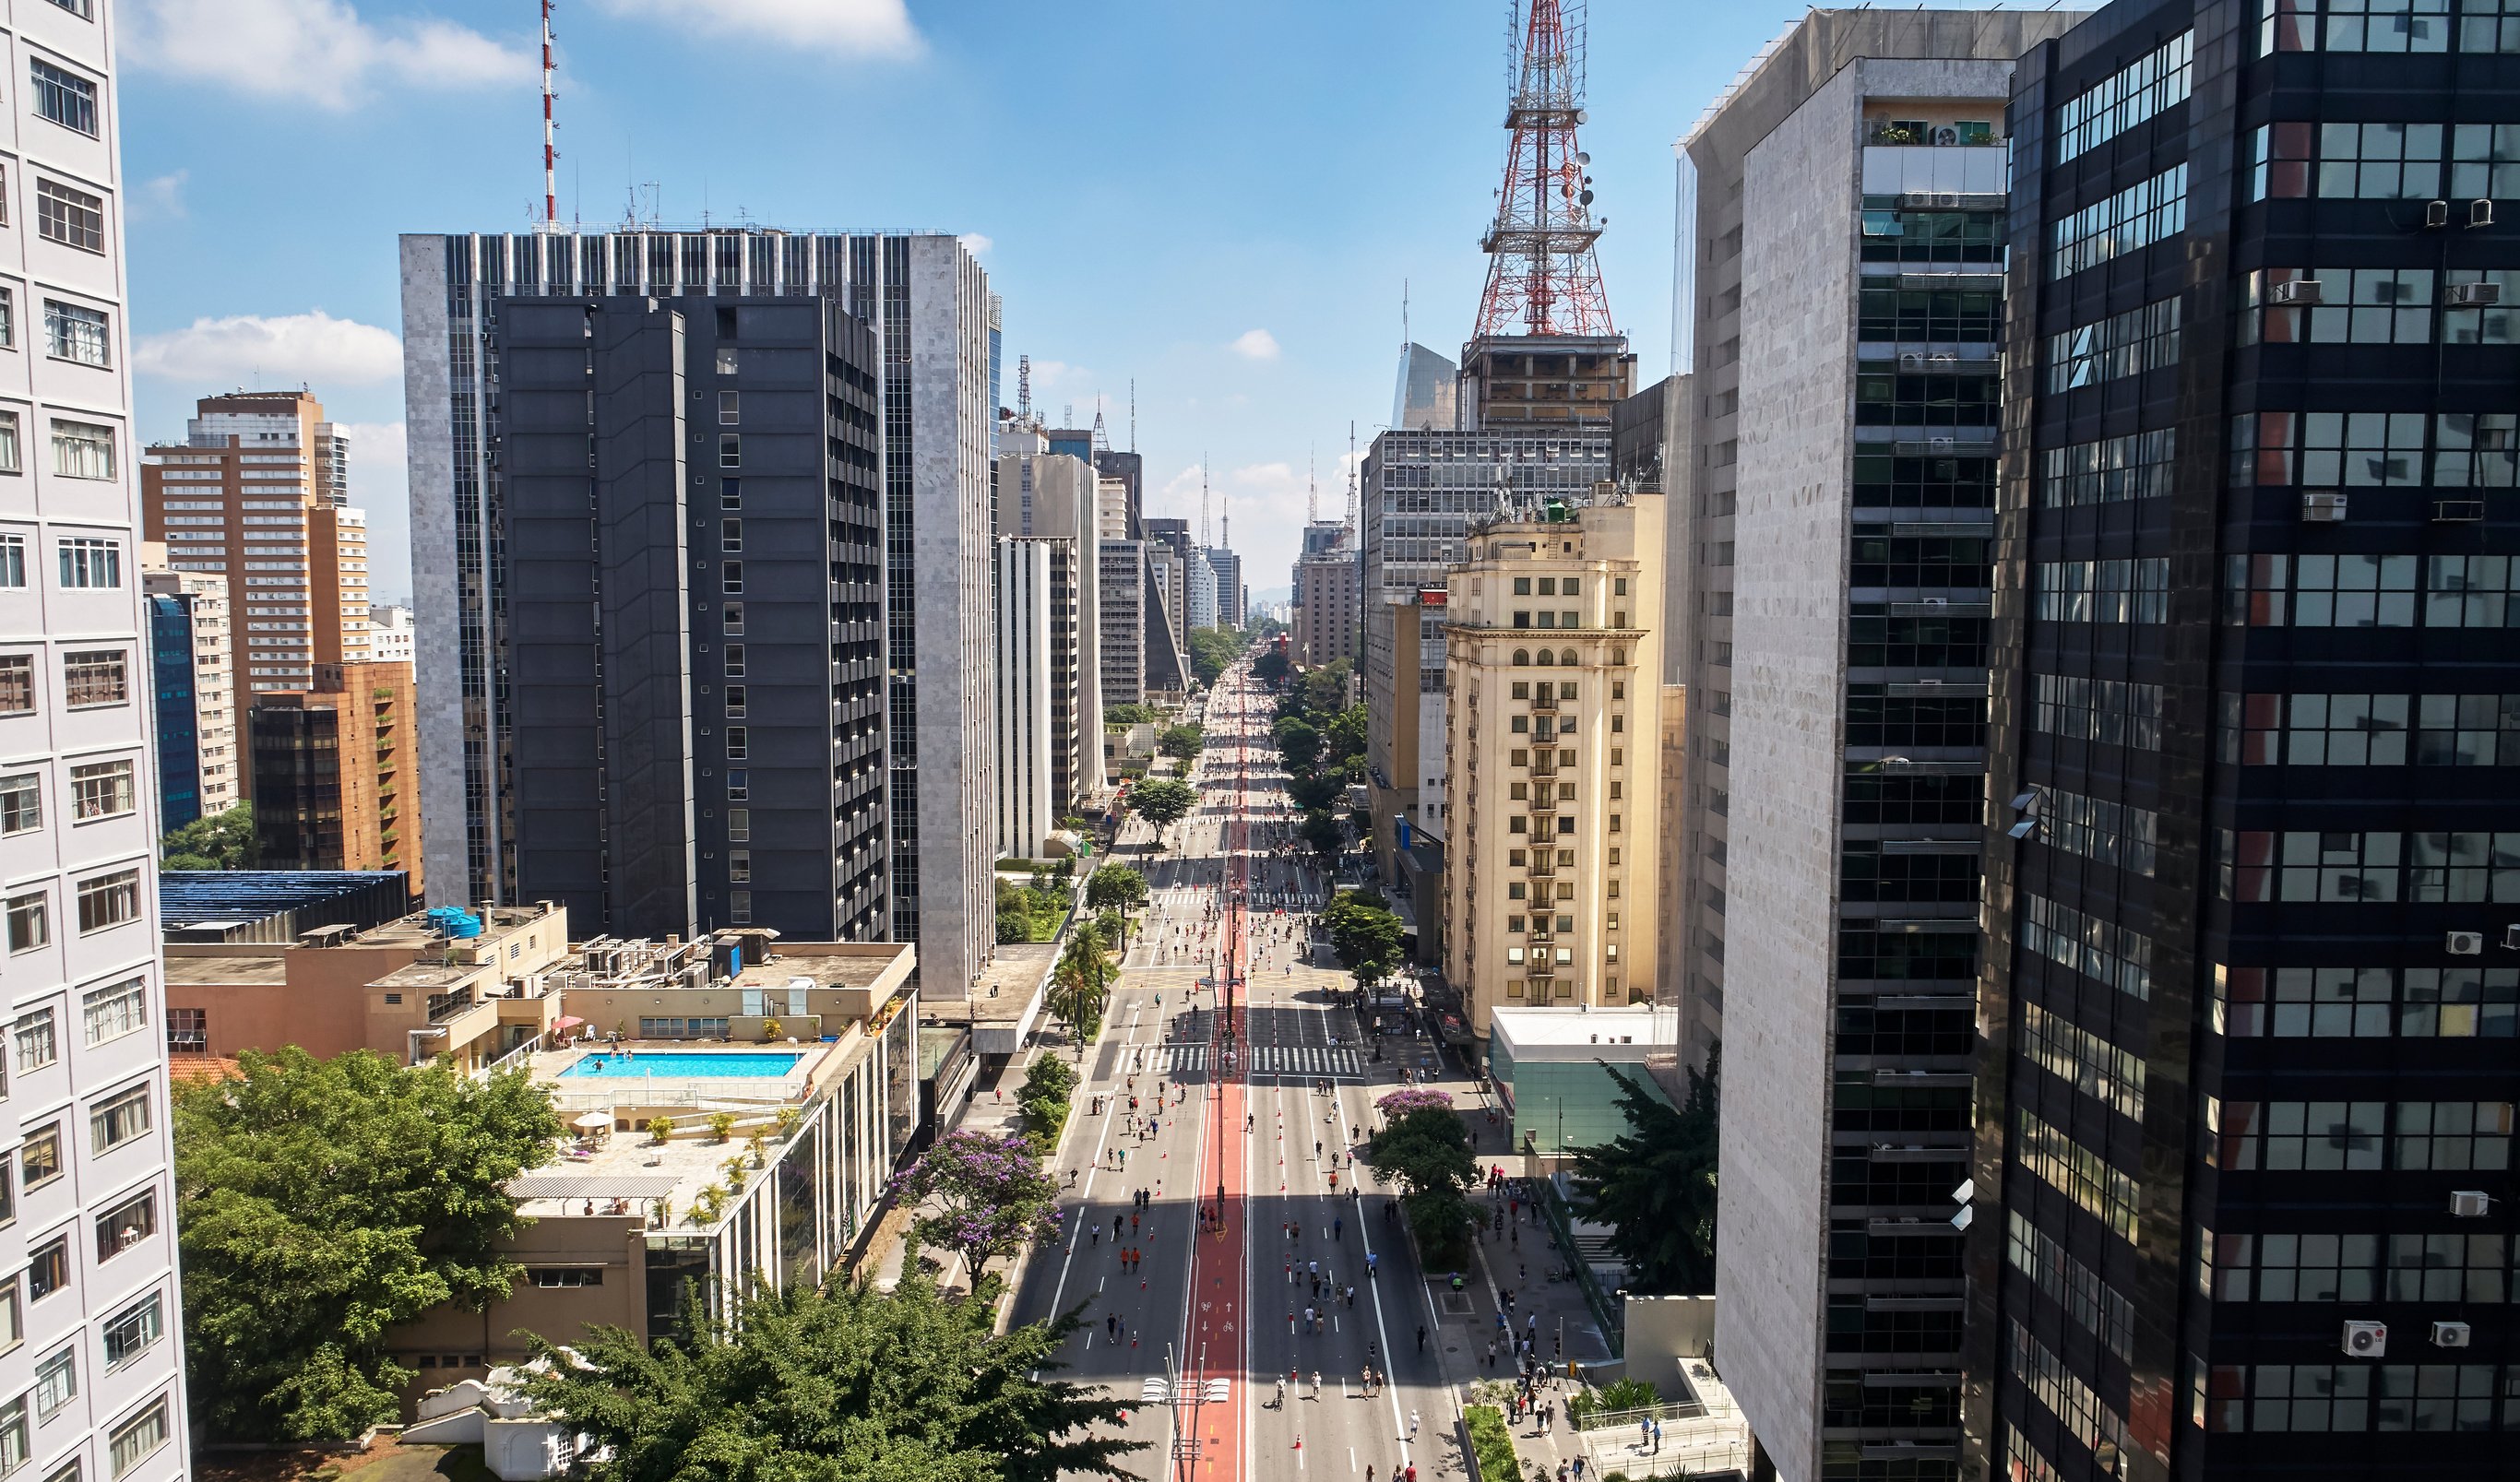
x,y
1413,1429
1658,1437
1422,1337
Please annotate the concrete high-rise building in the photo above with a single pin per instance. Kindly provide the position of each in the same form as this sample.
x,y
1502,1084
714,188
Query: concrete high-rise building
x,y
2242,1191
1201,606
1231,597
1847,245
1130,469
1404,771
1327,618
1320,535
1026,736
1426,397
929,307
1551,722
1053,499
389,634
702,743
1122,623
93,1376
199,760
255,494
332,772
1111,508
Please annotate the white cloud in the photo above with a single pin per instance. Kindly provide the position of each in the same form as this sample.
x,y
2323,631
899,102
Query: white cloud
x,y
845,27
164,196
976,244
312,347
1256,344
314,51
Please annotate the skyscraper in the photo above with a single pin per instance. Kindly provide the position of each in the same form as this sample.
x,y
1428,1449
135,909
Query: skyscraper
x,y
1847,242
2243,1192
94,1371
257,494
1051,501
930,308
200,759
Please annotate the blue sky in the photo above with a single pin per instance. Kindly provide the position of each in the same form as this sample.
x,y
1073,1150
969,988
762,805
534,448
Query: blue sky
x,y
1153,183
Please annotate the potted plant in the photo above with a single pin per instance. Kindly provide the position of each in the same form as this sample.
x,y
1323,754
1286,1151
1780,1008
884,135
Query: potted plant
x,y
789,1117
769,1029
661,1128
722,1123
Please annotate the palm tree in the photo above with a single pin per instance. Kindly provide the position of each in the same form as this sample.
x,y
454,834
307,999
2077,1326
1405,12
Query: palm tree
x,y
1080,985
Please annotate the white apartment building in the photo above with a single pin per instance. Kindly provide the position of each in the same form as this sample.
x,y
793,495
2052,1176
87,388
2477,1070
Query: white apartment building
x,y
1026,738
196,611
91,1356
389,634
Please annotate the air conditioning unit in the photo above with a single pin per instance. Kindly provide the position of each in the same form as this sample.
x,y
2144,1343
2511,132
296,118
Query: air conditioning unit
x,y
2322,507
2366,1340
2511,937
2463,943
2301,291
1947,135
2436,215
2449,1336
1911,360
2470,1203
2480,212
2474,295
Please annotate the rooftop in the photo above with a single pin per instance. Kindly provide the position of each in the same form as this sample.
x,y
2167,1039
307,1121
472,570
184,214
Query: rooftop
x,y
1005,988
224,905
1622,1030
261,969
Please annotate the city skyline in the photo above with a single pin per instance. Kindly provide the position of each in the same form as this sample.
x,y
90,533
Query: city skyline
x,y
1253,335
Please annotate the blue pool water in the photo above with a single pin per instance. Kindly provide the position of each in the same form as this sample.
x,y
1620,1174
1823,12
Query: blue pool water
x,y
686,1065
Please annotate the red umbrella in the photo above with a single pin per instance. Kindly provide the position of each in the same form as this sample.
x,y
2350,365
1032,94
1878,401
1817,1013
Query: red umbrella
x,y
566,1023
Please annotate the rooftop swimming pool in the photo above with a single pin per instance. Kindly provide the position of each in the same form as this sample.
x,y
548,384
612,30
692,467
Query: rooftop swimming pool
x,y
685,1064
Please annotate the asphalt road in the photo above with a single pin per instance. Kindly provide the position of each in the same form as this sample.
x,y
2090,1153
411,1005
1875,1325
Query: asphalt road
x,y
1261,1125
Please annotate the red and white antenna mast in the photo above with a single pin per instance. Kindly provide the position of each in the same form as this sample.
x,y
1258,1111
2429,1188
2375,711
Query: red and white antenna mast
x,y
1351,484
550,187
1542,278
1312,489
1202,501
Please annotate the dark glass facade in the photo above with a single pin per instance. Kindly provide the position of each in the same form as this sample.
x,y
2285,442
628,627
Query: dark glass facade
x,y
2246,1080
177,720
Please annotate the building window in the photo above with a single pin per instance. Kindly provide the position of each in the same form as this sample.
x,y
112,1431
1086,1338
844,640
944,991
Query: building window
x,y
2082,1174
2111,711
732,617
21,803
28,924
16,680
729,535
2103,831
126,1225
739,866
730,450
62,96
70,217
13,1317
96,677
14,1435
739,784
739,825
2134,591
48,1270
119,1119
117,1010
78,8
566,1278
2141,215
139,1438
109,900
33,1042
739,743
101,789
56,1381
40,1158
2136,466
134,1330
90,563
13,568
8,463
730,408
2126,99
734,578
737,697
188,1031
73,332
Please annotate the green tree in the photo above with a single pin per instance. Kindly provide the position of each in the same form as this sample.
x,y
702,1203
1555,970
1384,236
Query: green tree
x,y
1081,982
1361,931
1297,742
1343,739
835,1384
1044,1098
1115,886
1654,1185
1313,790
1423,1147
1271,667
1321,831
993,1199
1162,802
1130,713
319,1203
214,841
1213,651
1014,912
1180,743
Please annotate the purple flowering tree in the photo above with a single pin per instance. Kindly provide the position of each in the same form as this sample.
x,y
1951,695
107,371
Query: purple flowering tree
x,y
1408,1099
991,1195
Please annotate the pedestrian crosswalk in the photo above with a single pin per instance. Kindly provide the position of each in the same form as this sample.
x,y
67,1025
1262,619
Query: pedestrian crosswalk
x,y
1305,1059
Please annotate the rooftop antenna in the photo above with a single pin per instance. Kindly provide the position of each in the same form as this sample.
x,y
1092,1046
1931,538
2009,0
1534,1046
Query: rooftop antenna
x,y
1312,488
1102,435
1405,340
551,188
1067,415
1202,498
1023,386
1133,414
1351,484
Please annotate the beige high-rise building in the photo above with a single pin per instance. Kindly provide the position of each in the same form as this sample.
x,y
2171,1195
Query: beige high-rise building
x,y
257,494
1551,784
1331,607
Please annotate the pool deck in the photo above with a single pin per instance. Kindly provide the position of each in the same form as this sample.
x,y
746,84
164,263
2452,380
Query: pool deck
x,y
628,1094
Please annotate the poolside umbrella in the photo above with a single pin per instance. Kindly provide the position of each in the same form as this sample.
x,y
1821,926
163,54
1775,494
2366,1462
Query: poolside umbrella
x,y
594,1121
566,1023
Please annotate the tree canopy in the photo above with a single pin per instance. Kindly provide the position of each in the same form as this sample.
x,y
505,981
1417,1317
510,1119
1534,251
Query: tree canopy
x,y
1322,832
1080,985
1162,801
1213,651
322,1203
1424,1148
1361,931
1180,743
1654,1185
1271,667
1130,713
1115,886
1297,742
214,841
993,1197
841,1385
